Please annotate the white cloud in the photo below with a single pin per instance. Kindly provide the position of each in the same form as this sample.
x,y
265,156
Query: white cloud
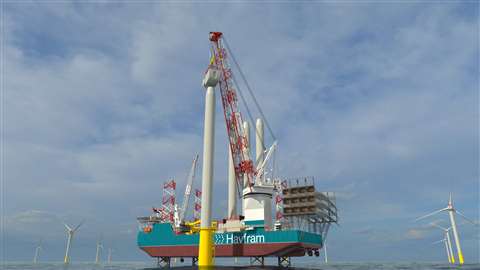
x,y
32,217
416,234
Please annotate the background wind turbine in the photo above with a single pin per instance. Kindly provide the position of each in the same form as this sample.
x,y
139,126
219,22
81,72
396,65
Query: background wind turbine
x,y
451,212
109,258
97,255
448,242
37,252
70,233
446,247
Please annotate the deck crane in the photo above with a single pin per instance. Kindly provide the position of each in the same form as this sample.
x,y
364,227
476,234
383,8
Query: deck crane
x,y
180,212
243,164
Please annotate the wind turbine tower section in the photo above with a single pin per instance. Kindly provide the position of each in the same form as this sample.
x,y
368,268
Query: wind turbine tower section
x,y
257,199
232,187
205,256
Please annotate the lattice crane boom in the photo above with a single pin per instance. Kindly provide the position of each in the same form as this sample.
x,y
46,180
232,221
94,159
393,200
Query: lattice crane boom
x,y
243,164
188,190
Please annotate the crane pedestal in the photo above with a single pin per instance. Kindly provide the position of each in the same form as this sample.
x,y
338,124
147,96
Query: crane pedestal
x,y
257,204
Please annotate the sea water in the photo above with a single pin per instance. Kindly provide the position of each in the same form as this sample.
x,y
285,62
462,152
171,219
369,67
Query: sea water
x,y
298,265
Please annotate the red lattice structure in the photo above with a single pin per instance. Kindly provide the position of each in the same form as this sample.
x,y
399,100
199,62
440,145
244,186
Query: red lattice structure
x,y
197,208
167,213
233,118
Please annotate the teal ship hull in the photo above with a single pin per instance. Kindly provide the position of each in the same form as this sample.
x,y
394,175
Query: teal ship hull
x,y
162,241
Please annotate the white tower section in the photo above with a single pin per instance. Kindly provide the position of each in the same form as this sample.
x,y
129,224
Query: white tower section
x,y
257,200
232,187
246,130
447,250
455,236
449,243
259,143
109,257
69,244
97,255
37,252
209,82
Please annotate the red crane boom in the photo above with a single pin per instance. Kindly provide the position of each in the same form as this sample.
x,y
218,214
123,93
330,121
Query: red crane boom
x,y
233,118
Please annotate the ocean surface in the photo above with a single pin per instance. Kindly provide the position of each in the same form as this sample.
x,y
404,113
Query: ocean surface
x,y
321,265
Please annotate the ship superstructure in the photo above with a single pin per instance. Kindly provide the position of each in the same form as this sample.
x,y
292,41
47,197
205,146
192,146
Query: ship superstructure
x,y
277,218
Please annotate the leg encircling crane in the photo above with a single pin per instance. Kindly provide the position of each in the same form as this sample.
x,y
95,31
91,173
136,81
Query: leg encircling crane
x,y
301,226
205,253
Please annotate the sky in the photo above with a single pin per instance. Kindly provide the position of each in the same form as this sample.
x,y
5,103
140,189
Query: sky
x,y
103,102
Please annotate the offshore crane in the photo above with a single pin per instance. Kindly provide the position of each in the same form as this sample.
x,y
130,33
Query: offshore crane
x,y
180,212
245,168
249,175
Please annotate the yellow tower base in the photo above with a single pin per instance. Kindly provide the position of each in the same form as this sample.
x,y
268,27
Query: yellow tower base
x,y
206,248
460,258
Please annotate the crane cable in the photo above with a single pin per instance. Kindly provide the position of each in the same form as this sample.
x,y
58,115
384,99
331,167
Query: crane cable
x,y
212,48
254,100
249,113
249,90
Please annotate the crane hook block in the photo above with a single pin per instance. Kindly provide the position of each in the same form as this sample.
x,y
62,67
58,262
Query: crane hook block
x,y
215,36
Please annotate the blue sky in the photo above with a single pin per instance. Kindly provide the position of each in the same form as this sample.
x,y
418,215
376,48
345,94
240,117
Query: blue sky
x,y
103,102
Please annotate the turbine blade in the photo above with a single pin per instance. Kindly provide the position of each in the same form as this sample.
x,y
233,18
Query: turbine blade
x,y
439,241
464,217
66,226
431,214
78,226
438,226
